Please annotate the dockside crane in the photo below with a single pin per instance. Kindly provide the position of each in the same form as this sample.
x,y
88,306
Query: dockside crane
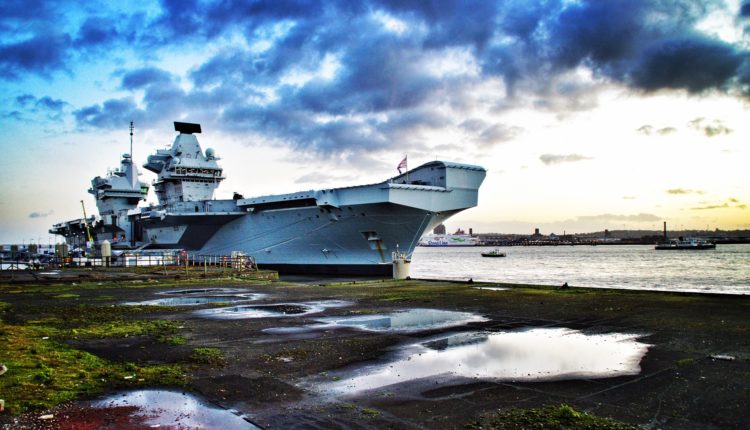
x,y
86,224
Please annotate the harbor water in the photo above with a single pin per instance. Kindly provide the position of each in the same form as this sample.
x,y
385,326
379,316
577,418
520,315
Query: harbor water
x,y
725,269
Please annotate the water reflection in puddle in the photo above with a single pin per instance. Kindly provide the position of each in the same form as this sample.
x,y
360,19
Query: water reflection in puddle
x,y
411,320
202,291
271,310
525,355
406,321
491,288
160,408
194,300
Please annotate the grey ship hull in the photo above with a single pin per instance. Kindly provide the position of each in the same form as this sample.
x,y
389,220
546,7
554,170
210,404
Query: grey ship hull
x,y
349,230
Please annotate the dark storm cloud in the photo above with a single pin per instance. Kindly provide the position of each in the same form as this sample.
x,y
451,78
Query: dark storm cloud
x,y
53,109
38,55
694,63
385,90
49,103
111,114
139,78
96,32
25,99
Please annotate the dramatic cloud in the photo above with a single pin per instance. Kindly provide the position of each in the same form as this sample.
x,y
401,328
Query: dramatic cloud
x,y
551,159
679,191
714,128
327,76
40,54
139,78
52,109
41,214
694,63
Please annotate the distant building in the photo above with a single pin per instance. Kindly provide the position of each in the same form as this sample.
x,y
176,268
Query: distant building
x,y
439,229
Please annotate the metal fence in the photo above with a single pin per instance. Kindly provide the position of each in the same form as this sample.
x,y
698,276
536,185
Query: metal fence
x,y
167,261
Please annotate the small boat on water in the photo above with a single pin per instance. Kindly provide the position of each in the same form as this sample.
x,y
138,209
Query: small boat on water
x,y
685,244
494,253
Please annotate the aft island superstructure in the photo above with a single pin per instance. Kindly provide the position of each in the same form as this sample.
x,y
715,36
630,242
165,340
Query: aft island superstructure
x,y
348,230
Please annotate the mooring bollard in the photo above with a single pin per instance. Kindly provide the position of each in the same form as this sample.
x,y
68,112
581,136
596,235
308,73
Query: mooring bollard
x,y
401,264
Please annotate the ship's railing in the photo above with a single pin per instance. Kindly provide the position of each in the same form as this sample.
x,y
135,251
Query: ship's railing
x,y
236,261
173,260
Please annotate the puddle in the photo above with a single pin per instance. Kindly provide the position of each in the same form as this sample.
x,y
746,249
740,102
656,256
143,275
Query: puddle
x,y
271,310
524,355
202,291
154,409
194,300
411,320
491,288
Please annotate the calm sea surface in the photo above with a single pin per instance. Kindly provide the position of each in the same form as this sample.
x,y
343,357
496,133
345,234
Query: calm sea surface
x,y
723,270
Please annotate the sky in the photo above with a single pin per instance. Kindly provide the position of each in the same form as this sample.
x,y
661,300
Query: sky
x,y
586,114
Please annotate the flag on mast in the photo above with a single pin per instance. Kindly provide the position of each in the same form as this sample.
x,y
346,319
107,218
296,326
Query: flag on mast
x,y
402,165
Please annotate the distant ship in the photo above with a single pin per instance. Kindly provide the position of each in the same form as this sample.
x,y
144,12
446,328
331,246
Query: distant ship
x,y
690,243
684,244
449,240
348,230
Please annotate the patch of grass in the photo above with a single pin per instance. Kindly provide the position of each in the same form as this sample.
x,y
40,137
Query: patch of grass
x,y
173,340
66,296
684,362
159,328
210,356
371,413
560,417
43,373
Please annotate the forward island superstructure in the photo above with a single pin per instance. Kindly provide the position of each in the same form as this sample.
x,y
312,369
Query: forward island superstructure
x,y
348,230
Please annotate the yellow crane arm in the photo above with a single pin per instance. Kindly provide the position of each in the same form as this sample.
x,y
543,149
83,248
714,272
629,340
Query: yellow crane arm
x,y
86,223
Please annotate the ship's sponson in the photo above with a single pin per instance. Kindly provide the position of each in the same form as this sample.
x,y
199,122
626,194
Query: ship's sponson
x,y
349,230
426,180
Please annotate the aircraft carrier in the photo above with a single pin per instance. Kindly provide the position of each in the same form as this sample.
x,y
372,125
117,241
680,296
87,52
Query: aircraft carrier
x,y
349,230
